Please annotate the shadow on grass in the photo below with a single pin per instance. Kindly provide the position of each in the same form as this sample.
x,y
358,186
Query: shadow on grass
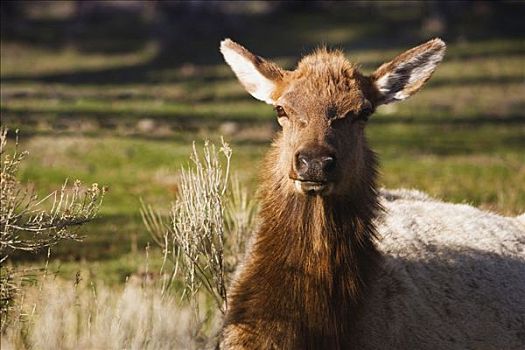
x,y
176,135
475,81
198,120
421,119
108,119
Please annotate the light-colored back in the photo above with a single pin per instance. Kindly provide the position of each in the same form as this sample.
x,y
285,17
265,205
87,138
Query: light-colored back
x,y
453,278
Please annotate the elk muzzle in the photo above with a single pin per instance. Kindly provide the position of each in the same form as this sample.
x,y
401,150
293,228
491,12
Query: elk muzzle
x,y
314,168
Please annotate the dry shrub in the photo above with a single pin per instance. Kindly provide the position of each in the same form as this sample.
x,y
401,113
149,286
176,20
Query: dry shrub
x,y
240,220
29,223
208,228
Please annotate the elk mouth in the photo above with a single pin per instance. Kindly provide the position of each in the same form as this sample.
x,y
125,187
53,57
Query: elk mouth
x,y
312,187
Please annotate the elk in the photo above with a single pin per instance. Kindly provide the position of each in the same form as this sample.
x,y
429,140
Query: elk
x,y
323,270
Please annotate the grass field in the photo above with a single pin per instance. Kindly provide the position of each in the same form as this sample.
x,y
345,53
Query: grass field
x,y
127,119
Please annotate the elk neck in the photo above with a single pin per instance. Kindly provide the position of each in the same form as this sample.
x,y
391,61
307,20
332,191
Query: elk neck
x,y
308,263
328,241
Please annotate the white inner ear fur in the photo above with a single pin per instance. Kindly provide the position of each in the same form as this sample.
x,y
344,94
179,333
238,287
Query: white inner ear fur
x,y
253,81
417,68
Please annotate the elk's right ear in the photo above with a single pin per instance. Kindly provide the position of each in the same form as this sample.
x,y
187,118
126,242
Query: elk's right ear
x,y
406,74
258,76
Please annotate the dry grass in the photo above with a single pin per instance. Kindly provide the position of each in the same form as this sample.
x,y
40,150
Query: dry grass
x,y
59,315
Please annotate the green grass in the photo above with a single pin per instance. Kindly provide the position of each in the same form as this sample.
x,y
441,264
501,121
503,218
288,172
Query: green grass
x,y
461,138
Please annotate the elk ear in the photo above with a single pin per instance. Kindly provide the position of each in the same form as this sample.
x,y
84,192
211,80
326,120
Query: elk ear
x,y
258,76
406,74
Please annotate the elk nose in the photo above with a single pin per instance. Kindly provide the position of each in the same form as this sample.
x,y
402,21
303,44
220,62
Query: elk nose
x,y
314,166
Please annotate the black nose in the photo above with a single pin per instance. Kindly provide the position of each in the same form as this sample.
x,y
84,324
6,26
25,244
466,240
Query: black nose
x,y
314,164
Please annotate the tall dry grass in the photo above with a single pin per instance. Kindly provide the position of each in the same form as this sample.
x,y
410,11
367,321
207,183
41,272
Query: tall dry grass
x,y
59,315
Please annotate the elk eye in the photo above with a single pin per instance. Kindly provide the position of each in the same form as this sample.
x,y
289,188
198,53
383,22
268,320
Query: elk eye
x,y
365,112
281,113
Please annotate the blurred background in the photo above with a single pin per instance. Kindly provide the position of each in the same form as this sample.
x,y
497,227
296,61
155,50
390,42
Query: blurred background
x,y
114,92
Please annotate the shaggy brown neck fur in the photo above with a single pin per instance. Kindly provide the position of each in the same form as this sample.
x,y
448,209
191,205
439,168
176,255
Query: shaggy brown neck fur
x,y
301,282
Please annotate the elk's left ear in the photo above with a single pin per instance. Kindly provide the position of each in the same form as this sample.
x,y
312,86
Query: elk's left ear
x,y
406,74
258,76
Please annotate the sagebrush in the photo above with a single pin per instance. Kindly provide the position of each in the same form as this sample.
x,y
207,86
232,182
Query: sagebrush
x,y
209,224
30,223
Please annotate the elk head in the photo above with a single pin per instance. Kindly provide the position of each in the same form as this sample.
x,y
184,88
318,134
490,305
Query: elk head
x,y
323,106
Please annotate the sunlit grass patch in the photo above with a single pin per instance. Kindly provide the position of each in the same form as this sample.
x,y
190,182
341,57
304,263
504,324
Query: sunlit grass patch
x,y
493,183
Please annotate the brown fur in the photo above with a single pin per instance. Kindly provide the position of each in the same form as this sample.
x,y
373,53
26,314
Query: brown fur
x,y
307,266
307,270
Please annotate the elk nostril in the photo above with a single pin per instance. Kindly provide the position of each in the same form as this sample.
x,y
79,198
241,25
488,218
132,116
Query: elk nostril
x,y
328,163
303,160
302,163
